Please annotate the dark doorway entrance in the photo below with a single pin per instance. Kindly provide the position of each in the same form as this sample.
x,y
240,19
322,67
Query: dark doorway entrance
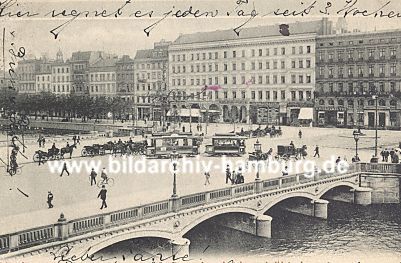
x,y
382,119
371,119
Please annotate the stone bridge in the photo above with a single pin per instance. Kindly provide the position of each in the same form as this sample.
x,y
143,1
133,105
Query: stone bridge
x,y
244,207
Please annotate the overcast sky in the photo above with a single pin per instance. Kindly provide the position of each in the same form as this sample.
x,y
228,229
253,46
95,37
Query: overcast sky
x,y
125,36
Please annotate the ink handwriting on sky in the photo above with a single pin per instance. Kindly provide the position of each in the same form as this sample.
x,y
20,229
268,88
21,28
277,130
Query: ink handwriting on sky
x,y
245,11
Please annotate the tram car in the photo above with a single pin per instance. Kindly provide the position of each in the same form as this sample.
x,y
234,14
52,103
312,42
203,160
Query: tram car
x,y
226,144
161,145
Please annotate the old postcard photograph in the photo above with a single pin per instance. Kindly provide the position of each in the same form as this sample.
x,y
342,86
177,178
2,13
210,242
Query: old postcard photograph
x,y
225,131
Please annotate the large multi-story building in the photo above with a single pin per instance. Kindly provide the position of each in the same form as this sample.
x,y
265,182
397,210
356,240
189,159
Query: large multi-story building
x,y
261,75
354,72
61,76
27,71
151,67
43,76
125,78
102,78
80,62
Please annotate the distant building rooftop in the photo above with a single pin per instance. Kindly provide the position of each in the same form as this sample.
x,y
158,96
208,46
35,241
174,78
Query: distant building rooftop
x,y
251,32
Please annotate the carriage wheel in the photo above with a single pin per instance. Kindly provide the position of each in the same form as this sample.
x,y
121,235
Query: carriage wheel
x,y
100,183
102,152
110,182
12,171
84,152
36,157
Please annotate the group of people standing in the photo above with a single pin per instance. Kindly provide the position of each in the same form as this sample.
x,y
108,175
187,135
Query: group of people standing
x,y
234,177
385,154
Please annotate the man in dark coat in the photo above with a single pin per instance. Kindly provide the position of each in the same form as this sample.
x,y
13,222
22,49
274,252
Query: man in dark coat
x,y
49,199
93,177
103,194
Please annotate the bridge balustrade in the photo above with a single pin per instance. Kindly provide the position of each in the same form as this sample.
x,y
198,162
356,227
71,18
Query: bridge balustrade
x,y
124,215
86,225
193,200
32,237
244,189
156,208
4,243
36,236
220,194
271,184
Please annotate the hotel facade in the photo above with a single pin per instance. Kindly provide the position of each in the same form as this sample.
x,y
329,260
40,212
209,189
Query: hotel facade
x,y
264,77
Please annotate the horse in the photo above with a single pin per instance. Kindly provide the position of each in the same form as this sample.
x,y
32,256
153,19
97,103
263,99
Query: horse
x,y
68,149
301,152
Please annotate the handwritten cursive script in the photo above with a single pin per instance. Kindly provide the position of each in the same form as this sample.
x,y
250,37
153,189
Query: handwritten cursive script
x,y
64,255
242,9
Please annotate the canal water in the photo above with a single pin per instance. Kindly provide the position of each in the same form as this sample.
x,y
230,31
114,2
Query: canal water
x,y
351,234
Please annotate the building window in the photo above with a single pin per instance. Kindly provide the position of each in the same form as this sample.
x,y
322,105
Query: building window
x,y
260,52
283,51
293,79
301,50
293,95
283,95
234,54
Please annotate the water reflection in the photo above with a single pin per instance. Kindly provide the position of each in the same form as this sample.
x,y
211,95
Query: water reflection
x,y
364,232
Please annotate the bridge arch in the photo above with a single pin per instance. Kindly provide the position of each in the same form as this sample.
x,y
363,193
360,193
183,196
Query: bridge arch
x,y
107,241
283,197
216,212
327,188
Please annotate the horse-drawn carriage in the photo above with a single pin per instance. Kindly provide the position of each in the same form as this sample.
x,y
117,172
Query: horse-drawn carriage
x,y
287,152
115,148
53,153
259,132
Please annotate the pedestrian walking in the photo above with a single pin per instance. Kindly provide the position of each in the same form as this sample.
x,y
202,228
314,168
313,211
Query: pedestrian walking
x,y
64,170
49,199
43,142
79,139
40,157
338,160
300,134
74,138
233,177
228,174
40,141
207,178
317,152
93,177
102,195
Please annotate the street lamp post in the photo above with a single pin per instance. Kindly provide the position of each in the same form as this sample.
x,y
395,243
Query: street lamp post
x,y
356,138
375,159
174,158
258,150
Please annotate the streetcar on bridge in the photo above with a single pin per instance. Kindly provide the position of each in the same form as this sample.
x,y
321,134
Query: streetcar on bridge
x,y
226,144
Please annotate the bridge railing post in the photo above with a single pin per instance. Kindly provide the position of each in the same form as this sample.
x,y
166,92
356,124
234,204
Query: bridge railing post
x,y
62,228
258,186
174,204
280,182
14,242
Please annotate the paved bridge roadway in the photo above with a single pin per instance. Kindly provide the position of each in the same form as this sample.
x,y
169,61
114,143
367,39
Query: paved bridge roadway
x,y
244,207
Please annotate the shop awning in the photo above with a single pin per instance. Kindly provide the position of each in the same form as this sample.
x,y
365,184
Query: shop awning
x,y
185,113
305,114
